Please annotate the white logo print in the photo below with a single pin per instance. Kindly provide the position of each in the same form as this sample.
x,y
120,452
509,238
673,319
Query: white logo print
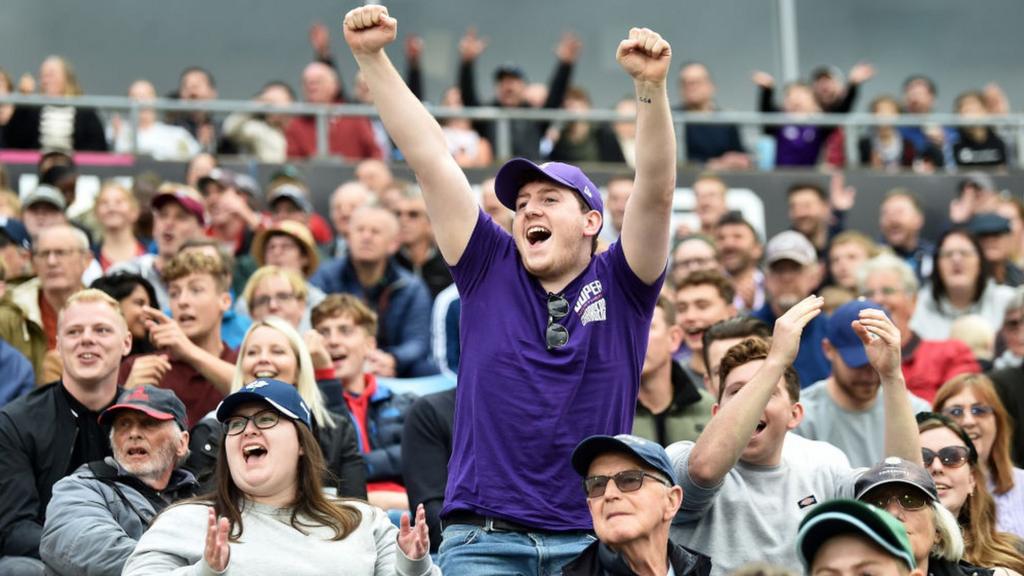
x,y
256,384
591,303
586,192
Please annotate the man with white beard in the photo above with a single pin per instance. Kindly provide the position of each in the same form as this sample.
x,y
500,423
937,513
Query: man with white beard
x,y
98,513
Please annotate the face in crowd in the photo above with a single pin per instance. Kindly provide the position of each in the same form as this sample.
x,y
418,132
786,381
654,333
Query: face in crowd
x,y
348,344
621,517
91,339
552,228
267,353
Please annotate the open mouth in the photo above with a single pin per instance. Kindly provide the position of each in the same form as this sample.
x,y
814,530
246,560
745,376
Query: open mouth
x,y
537,234
137,451
88,356
340,357
186,318
253,452
266,373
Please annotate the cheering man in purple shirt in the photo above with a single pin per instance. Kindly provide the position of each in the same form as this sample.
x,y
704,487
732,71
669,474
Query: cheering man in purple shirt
x,y
553,336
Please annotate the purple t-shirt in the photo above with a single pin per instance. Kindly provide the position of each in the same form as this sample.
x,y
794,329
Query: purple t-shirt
x,y
520,408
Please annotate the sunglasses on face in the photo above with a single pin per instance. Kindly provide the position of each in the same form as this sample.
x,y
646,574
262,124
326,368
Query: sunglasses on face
x,y
235,425
976,410
625,481
556,335
950,456
908,500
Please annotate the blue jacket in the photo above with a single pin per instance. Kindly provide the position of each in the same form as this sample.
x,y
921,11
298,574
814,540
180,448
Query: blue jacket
x,y
811,364
402,304
385,419
19,377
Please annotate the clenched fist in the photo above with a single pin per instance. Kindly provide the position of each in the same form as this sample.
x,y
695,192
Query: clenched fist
x,y
645,55
368,29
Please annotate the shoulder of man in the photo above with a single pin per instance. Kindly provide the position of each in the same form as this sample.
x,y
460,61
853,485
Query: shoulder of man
x,y
36,406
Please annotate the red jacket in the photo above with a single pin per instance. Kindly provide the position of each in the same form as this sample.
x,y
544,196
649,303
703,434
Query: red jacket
x,y
351,137
928,364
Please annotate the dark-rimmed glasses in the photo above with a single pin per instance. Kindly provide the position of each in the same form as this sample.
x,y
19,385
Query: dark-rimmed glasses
x,y
950,456
263,420
556,335
908,500
625,481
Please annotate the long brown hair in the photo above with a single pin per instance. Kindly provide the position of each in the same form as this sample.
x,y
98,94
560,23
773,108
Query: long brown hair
x,y
1000,467
310,501
984,545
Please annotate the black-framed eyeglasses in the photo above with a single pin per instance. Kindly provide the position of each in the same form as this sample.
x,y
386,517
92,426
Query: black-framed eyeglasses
x,y
950,456
976,410
556,335
263,420
908,500
625,481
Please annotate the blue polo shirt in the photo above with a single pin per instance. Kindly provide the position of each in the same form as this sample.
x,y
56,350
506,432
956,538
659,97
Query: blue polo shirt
x,y
810,364
521,408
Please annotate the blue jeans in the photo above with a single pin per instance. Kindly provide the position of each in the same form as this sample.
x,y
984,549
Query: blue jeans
x,y
470,551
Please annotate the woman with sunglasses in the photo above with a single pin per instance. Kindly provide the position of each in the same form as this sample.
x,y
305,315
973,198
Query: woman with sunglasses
x,y
971,401
951,459
273,349
269,513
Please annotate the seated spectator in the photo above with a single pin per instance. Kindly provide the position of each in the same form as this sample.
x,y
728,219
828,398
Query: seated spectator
x,y
848,537
952,460
15,249
426,450
134,294
717,145
152,137
193,361
16,329
198,85
233,221
1013,210
444,330
272,348
976,194
178,216
631,520
709,192
978,335
752,508
847,409
490,203
618,190
997,104
692,253
817,215
199,166
344,201
350,137
282,520
6,87
20,373
847,252
884,148
262,135
625,130
919,92
672,405
977,145
375,175
702,299
469,149
418,252
971,401
1011,335
401,300
349,331
792,273
65,127
290,201
580,141
993,233
960,285
281,292
49,433
928,361
900,219
235,321
905,490
739,253
116,211
42,208
98,513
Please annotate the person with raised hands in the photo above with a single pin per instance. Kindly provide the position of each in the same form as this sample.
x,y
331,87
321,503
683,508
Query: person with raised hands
x,y
742,501
578,320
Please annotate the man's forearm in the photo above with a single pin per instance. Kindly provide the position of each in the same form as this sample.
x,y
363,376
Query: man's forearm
x,y
655,144
216,371
901,436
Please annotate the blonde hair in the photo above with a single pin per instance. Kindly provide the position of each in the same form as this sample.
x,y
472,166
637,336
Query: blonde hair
x,y
305,381
112,184
89,296
295,280
976,332
71,85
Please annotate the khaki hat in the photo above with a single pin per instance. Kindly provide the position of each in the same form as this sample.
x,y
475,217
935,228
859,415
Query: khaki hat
x,y
300,232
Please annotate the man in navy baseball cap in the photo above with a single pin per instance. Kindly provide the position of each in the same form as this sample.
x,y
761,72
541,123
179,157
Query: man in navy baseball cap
x,y
847,409
15,248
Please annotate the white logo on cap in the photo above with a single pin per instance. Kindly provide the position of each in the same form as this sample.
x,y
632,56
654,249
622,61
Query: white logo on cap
x,y
256,384
586,192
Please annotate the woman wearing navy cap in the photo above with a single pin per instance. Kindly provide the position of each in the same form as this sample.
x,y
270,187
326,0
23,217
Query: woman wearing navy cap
x,y
269,514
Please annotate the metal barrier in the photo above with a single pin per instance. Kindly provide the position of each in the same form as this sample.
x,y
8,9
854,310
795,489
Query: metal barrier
x,y
503,116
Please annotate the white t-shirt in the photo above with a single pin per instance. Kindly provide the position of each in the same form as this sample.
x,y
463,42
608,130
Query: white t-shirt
x,y
161,141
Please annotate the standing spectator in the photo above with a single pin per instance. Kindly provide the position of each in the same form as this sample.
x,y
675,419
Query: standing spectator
x,y
992,232
510,90
977,145
977,194
563,302
99,512
1013,210
418,252
960,284
739,253
227,197
693,253
919,92
197,84
792,273
426,450
702,299
401,301
928,361
885,148
350,137
795,144
262,135
625,130
468,147
49,433
63,127
717,145
581,141
817,215
847,409
344,201
619,188
901,218
152,137
709,192
234,323
117,211
847,253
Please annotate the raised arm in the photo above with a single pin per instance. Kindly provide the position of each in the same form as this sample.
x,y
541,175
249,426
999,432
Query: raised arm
x,y
728,432
450,201
646,56
881,341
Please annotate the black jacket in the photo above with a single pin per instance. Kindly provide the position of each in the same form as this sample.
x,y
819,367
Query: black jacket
x,y
22,130
37,438
600,560
1008,386
426,449
937,567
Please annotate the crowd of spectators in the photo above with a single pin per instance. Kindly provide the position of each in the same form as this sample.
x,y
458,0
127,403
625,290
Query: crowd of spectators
x,y
153,347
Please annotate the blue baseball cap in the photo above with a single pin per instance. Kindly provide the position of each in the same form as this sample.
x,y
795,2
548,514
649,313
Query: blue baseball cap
x,y
840,333
838,517
651,453
15,231
282,396
519,171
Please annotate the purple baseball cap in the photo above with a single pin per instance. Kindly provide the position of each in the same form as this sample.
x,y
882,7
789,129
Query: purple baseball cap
x,y
519,171
841,335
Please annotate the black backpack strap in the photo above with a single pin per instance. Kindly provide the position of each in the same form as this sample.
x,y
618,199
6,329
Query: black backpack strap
x,y
108,475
